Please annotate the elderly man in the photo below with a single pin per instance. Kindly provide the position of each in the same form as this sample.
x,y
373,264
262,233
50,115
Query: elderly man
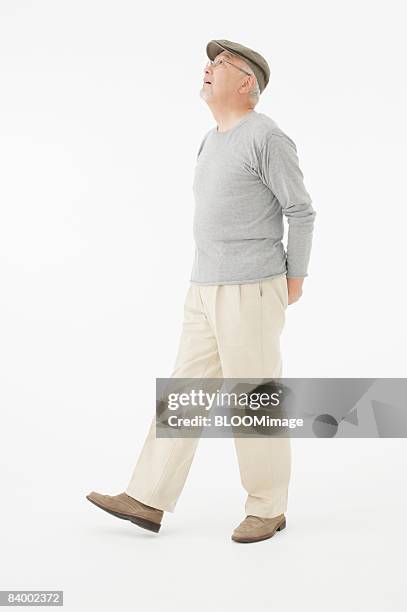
x,y
247,177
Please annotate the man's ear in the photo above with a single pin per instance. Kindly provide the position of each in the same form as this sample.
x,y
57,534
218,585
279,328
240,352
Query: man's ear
x,y
247,84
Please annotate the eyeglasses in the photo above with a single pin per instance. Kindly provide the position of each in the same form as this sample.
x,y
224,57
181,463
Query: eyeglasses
x,y
221,60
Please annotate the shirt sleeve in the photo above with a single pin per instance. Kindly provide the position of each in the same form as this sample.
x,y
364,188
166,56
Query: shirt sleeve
x,y
280,171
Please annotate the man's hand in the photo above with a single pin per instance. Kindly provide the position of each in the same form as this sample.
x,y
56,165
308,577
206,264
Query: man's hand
x,y
294,289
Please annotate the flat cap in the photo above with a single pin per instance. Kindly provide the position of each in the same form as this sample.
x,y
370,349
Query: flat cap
x,y
256,61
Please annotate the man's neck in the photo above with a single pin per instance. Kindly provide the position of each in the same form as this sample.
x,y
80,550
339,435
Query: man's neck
x,y
226,119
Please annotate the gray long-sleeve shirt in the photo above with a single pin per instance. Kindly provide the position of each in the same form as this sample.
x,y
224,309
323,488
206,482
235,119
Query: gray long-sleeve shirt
x,y
246,179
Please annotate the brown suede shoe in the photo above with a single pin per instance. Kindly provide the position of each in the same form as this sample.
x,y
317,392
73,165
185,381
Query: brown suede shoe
x,y
256,528
125,507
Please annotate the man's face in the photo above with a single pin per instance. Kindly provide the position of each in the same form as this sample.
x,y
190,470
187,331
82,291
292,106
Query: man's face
x,y
222,82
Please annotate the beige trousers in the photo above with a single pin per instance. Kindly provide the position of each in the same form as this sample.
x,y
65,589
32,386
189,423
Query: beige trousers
x,y
229,331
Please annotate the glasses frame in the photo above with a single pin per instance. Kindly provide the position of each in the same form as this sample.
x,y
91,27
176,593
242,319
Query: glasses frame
x,y
214,63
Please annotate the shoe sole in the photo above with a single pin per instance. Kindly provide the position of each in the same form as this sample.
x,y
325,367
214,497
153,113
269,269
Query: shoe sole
x,y
141,522
243,540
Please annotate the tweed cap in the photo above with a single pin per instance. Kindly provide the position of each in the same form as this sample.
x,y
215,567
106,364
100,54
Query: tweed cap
x,y
256,61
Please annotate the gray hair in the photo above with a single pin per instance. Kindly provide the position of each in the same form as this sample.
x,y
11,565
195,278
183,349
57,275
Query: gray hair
x,y
254,94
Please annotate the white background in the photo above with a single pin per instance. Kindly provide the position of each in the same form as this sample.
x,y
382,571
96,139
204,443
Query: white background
x,y
100,124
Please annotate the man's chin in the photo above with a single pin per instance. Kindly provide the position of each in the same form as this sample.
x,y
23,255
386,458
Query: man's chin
x,y
204,94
